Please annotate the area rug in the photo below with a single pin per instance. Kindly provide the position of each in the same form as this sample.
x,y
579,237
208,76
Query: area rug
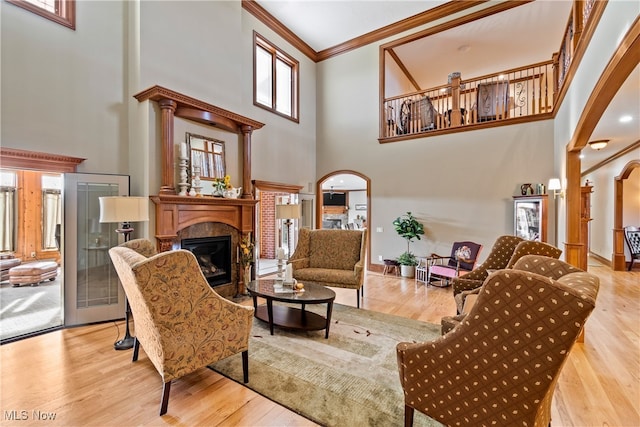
x,y
349,379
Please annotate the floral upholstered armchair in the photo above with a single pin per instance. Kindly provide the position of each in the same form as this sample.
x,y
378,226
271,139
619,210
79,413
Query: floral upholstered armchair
x,y
180,321
500,365
331,258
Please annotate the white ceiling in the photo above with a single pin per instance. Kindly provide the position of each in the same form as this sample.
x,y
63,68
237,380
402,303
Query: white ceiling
x,y
529,33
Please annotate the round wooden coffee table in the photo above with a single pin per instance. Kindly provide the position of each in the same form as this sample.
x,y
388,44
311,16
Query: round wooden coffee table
x,y
288,317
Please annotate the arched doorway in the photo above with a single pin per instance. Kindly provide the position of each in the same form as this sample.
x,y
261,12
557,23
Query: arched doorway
x,y
344,201
618,260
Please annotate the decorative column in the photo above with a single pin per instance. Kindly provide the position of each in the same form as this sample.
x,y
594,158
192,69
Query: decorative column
x,y
246,161
574,250
167,108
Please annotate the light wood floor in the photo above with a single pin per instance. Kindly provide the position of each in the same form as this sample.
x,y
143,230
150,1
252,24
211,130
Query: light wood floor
x,y
76,376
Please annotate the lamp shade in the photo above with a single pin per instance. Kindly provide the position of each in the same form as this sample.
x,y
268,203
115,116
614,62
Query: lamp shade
x,y
124,209
554,184
287,211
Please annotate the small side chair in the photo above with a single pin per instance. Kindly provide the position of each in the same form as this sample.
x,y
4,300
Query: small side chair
x,y
632,237
461,261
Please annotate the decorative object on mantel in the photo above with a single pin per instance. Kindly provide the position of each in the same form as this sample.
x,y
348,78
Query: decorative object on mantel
x,y
220,185
196,188
231,193
184,183
246,259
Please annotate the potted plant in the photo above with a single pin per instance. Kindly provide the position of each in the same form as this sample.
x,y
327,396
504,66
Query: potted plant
x,y
408,227
408,262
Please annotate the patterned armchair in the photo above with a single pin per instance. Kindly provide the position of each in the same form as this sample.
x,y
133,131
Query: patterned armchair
x,y
331,258
182,323
500,365
470,283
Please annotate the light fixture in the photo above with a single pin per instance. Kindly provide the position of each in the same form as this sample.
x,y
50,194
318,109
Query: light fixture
x,y
125,210
598,144
287,213
556,187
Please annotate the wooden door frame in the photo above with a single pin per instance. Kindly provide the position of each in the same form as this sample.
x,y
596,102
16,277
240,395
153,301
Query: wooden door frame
x,y
368,211
618,260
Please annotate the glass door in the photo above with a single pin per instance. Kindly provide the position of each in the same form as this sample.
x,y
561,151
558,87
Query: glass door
x,y
92,290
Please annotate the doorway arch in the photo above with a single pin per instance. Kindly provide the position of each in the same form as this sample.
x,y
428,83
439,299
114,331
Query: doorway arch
x,y
359,210
618,260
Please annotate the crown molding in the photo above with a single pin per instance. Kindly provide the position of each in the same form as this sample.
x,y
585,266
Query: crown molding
x,y
425,17
36,160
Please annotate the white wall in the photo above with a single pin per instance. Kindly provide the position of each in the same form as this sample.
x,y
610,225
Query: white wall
x,y
63,91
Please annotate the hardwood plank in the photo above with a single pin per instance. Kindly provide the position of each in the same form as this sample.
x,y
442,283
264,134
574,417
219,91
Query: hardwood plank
x,y
76,375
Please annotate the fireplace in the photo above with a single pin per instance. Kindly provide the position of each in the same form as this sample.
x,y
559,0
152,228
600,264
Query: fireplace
x,y
213,255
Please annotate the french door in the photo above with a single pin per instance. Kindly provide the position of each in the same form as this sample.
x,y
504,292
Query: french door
x,y
92,290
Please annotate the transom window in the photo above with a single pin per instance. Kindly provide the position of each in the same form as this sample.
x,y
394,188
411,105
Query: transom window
x,y
61,11
275,79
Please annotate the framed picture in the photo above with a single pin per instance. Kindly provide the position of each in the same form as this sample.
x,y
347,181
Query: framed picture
x,y
361,207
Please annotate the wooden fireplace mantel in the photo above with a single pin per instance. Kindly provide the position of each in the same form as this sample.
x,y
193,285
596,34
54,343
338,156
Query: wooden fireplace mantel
x,y
174,104
174,213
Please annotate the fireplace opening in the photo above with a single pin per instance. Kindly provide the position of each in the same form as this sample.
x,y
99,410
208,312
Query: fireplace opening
x,y
213,255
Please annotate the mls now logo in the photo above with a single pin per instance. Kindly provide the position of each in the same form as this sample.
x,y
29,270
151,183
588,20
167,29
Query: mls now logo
x,y
23,415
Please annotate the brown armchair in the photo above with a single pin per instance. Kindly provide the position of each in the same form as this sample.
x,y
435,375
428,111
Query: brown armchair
x,y
497,259
331,258
469,284
500,365
181,323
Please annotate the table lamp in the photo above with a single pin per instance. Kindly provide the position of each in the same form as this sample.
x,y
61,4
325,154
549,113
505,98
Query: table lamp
x,y
125,210
287,213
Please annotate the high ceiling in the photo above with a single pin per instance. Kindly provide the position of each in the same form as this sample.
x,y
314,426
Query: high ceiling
x,y
519,36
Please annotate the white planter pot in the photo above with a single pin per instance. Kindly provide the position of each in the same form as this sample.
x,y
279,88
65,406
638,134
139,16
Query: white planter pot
x,y
407,271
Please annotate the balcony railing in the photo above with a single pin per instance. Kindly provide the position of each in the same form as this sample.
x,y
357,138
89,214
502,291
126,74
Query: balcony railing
x,y
510,94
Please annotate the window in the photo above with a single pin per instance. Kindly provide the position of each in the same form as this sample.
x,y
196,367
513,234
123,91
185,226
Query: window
x,y
275,79
51,211
61,11
8,183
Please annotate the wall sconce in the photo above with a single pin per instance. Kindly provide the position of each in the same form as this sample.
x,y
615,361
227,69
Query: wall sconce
x,y
599,144
554,185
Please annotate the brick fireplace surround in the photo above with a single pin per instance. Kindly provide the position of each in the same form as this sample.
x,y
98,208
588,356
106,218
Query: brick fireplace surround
x,y
180,217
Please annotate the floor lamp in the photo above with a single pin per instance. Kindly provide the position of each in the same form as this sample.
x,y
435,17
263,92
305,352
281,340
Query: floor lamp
x,y
287,213
125,210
